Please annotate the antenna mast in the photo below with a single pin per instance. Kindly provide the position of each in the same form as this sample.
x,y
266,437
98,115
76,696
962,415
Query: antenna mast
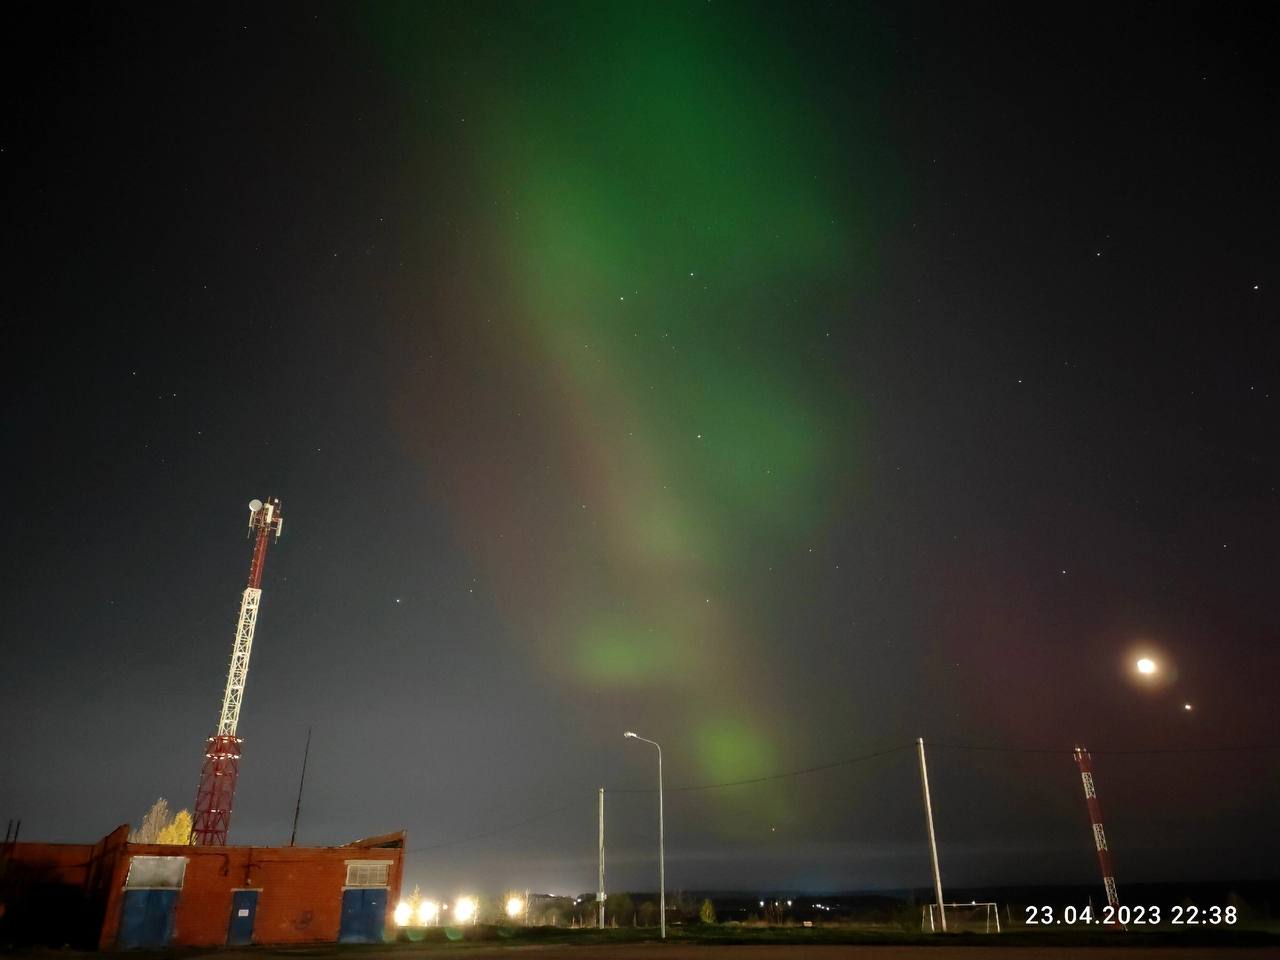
x,y
216,793
1085,763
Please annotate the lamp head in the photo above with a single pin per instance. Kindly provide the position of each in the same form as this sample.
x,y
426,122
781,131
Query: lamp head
x,y
629,734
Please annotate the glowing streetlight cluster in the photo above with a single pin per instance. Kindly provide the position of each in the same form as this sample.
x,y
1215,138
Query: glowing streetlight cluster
x,y
427,913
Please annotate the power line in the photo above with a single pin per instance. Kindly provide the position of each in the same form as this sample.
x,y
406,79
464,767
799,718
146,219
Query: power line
x,y
1062,751
775,776
497,830
703,786
863,758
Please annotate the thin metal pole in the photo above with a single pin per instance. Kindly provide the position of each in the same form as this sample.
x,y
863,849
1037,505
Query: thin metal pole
x,y
600,881
301,780
662,841
662,853
933,840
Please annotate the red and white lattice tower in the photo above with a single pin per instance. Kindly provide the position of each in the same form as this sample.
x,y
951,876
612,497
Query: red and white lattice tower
x,y
217,791
1085,763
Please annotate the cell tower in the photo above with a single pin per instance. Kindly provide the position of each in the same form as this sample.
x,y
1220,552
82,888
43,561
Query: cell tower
x,y
1085,763
217,792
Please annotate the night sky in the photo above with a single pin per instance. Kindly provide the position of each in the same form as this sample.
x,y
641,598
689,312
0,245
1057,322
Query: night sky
x,y
780,381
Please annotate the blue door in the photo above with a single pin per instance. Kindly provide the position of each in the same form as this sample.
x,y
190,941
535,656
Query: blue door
x,y
363,913
146,918
244,907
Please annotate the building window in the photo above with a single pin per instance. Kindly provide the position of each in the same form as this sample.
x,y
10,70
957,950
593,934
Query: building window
x,y
156,873
368,873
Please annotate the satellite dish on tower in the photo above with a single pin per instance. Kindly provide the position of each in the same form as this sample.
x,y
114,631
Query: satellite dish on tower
x,y
255,505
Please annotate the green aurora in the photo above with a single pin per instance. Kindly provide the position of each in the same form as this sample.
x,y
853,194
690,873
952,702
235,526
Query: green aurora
x,y
660,239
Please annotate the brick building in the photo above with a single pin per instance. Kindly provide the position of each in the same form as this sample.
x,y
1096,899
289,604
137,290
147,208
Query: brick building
x,y
119,894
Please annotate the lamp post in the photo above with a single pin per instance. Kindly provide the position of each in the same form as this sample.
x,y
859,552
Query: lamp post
x,y
662,854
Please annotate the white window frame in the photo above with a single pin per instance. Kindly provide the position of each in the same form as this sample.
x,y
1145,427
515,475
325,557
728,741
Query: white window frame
x,y
182,873
360,865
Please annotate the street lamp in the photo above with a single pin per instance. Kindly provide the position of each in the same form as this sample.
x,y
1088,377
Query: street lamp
x,y
465,910
662,853
515,907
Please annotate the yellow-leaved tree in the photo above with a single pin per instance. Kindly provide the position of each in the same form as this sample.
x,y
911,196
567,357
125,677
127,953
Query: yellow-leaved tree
x,y
179,831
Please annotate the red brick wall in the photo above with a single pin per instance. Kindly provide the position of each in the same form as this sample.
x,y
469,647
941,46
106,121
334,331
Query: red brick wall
x,y
300,899
55,862
56,893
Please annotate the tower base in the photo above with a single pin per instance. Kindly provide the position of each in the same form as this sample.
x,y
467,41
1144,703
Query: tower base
x,y
217,792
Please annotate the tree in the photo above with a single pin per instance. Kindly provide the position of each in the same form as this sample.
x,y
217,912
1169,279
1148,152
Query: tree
x,y
158,828
707,912
177,832
156,819
619,910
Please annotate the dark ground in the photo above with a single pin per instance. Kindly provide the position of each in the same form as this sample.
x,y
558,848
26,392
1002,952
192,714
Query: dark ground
x,y
757,943
694,951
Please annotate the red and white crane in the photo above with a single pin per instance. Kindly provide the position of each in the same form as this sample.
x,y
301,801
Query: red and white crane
x,y
1085,763
217,791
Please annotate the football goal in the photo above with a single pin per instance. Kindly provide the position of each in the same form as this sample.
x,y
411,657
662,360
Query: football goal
x,y
973,917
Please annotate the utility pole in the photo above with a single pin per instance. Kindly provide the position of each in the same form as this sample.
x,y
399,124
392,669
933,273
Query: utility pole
x,y
301,780
933,840
600,882
662,853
